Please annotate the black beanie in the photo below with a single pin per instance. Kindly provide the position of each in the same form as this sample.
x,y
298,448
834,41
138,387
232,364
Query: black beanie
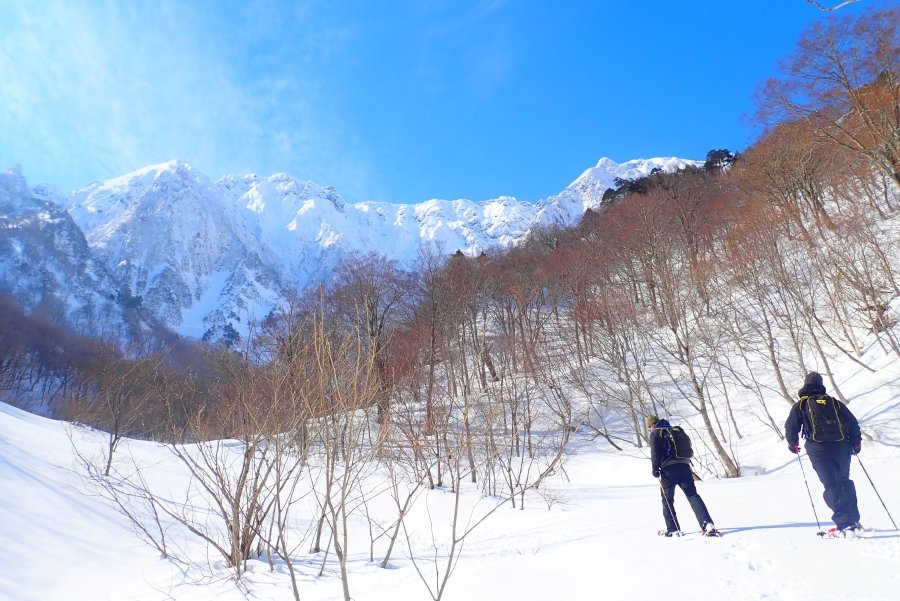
x,y
812,385
813,378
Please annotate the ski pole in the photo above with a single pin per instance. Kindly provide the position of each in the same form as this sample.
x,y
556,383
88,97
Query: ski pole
x,y
876,492
662,491
802,471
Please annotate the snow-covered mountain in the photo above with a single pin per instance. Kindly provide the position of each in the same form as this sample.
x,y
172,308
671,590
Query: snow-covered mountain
x,y
46,264
205,257
171,238
586,192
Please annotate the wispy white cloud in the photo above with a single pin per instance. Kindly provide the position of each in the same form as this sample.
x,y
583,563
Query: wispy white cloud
x,y
477,36
94,89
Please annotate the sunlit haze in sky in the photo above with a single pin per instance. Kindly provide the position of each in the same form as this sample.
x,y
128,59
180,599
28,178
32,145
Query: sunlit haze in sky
x,y
401,101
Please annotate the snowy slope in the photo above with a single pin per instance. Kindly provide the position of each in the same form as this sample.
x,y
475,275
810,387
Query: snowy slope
x,y
596,539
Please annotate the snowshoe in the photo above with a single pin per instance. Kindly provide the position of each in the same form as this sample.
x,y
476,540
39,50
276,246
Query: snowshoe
x,y
670,533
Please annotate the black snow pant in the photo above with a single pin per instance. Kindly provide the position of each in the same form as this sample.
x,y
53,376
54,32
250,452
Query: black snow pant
x,y
679,474
831,460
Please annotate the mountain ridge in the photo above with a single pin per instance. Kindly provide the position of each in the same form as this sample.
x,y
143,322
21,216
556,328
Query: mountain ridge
x,y
205,257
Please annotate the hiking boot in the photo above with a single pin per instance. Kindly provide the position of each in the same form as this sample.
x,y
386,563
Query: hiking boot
x,y
845,532
709,529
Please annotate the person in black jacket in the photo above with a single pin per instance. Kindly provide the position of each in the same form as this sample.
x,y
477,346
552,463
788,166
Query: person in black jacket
x,y
671,472
830,442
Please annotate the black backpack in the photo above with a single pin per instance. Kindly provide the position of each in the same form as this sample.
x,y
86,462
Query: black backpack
x,y
678,443
823,418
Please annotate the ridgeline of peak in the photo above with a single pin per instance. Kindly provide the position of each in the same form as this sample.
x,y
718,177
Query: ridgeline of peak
x,y
13,189
586,192
607,171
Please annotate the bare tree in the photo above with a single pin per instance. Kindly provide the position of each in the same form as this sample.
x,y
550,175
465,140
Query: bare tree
x,y
436,571
830,9
342,381
843,79
371,296
115,394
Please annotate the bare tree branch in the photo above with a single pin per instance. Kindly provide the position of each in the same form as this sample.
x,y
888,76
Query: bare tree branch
x,y
830,9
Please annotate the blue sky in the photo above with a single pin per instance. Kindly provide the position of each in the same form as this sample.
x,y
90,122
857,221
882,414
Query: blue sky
x,y
395,100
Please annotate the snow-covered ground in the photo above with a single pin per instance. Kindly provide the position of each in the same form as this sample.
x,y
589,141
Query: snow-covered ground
x,y
596,539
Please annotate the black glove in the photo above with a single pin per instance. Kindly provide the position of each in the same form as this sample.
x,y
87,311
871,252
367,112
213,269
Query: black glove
x,y
794,447
856,447
656,473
